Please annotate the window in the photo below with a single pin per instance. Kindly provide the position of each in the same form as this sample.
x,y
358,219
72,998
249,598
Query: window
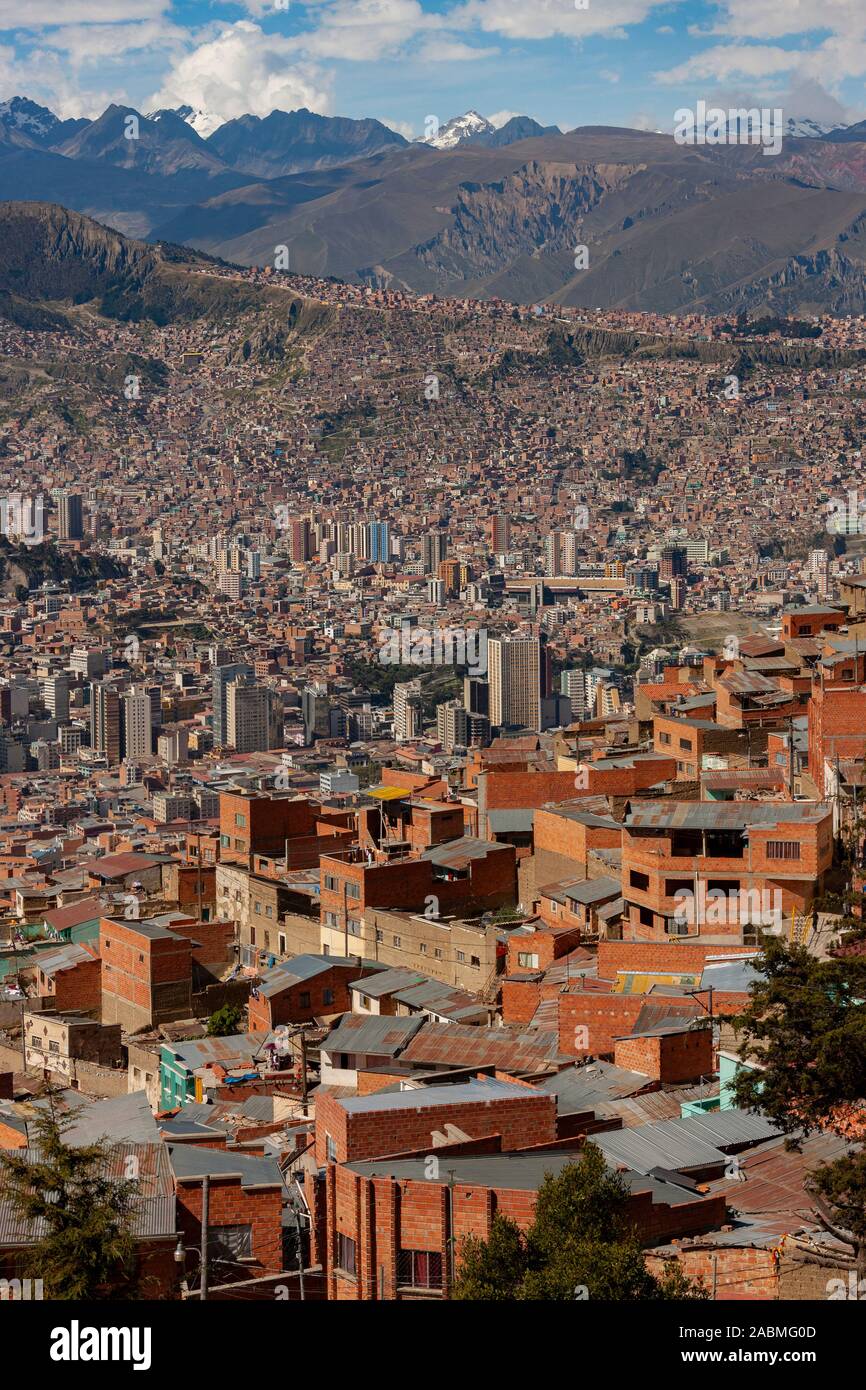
x,y
330,1149
664,738
673,886
646,917
240,820
304,1000
638,880
226,841
230,1243
423,948
327,996
783,849
365,1001
353,890
527,960
419,1269
380,935
398,941
687,744
461,956
257,907
282,941
346,1254
475,962
437,953
252,936
331,919
330,883
269,910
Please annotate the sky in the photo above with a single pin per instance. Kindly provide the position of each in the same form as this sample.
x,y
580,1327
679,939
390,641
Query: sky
x,y
564,62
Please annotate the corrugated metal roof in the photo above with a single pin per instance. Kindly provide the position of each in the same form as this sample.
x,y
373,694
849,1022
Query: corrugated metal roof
x,y
516,1172
724,815
191,1162
367,1033
696,1141
479,1092
126,1117
227,1052
154,1205
461,1045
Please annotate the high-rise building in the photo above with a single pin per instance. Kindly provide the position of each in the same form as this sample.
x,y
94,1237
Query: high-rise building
x,y
137,723
377,542
55,693
105,721
70,520
452,726
560,553
407,710
513,668
434,548
249,717
221,679
500,534
315,707
573,685
673,562
476,695
300,544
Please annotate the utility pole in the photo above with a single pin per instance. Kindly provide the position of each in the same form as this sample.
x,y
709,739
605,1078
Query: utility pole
x,y
304,1071
300,1256
205,1205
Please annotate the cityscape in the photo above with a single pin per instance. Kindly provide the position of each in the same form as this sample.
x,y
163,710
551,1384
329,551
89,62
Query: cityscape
x,y
432,722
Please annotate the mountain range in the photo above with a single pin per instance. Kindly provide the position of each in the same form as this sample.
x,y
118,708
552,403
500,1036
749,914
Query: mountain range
x,y
475,210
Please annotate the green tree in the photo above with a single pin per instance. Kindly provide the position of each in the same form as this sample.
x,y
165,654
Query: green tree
x,y
580,1245
225,1022
804,1032
81,1204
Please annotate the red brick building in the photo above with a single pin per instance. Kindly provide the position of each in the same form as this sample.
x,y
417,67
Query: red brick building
x,y
246,1197
394,1229
462,877
146,974
357,1127
720,870
304,988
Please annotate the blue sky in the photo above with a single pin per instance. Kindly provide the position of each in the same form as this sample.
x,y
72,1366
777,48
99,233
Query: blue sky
x,y
610,62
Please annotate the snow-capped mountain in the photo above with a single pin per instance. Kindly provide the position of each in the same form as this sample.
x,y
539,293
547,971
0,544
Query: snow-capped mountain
x,y
473,129
23,114
204,123
805,128
460,128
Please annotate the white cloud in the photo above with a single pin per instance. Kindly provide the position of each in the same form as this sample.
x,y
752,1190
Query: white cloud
x,y
448,50
546,19
404,128
777,19
41,14
92,43
501,118
364,30
245,70
725,62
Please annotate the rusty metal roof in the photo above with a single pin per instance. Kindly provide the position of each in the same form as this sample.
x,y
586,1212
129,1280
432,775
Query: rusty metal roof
x,y
724,815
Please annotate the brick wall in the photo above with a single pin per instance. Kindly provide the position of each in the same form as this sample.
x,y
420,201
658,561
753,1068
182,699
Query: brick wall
x,y
673,1058
521,1121
229,1204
